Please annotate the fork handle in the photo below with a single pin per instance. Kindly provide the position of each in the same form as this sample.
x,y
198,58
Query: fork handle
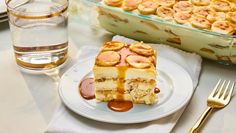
x,y
201,120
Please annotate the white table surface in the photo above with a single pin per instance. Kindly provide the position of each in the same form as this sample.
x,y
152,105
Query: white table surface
x,y
27,102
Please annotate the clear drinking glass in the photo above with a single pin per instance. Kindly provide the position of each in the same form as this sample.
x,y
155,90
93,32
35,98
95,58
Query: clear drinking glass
x,y
39,33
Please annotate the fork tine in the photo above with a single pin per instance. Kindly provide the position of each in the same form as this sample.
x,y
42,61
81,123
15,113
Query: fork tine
x,y
215,88
230,92
223,96
220,90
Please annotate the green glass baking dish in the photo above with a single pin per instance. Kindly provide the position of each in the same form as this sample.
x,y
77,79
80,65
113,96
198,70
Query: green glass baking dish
x,y
211,45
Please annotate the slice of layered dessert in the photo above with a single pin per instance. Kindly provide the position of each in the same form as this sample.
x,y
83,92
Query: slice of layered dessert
x,y
125,72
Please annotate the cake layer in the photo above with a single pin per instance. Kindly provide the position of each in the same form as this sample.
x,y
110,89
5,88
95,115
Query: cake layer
x,y
136,90
136,96
140,84
146,74
107,84
104,72
111,84
131,73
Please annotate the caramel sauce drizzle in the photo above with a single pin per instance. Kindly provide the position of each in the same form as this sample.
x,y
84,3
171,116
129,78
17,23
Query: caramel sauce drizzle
x,y
122,67
120,106
120,83
87,88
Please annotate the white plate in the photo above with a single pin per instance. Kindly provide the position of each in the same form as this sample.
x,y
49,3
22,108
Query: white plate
x,y
174,82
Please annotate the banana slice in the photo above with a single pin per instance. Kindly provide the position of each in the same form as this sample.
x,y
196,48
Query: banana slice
x,y
182,17
233,6
147,7
216,16
203,11
201,2
113,45
166,3
138,61
108,58
200,22
152,59
221,5
142,49
234,25
231,16
220,16
165,12
129,5
211,17
223,27
115,3
183,6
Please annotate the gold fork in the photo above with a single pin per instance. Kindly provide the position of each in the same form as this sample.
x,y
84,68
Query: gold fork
x,y
218,98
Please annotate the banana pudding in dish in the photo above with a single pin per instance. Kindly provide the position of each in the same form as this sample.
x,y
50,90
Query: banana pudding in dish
x,y
206,27
125,72
213,15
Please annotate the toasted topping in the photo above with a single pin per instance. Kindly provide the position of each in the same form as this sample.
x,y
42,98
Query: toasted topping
x,y
113,45
152,59
183,6
233,6
108,58
182,17
199,14
147,7
130,5
223,27
115,3
201,2
216,16
138,61
231,16
142,49
220,16
203,11
166,3
200,22
165,12
221,5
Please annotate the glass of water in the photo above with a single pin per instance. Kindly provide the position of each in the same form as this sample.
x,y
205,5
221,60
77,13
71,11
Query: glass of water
x,y
39,33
